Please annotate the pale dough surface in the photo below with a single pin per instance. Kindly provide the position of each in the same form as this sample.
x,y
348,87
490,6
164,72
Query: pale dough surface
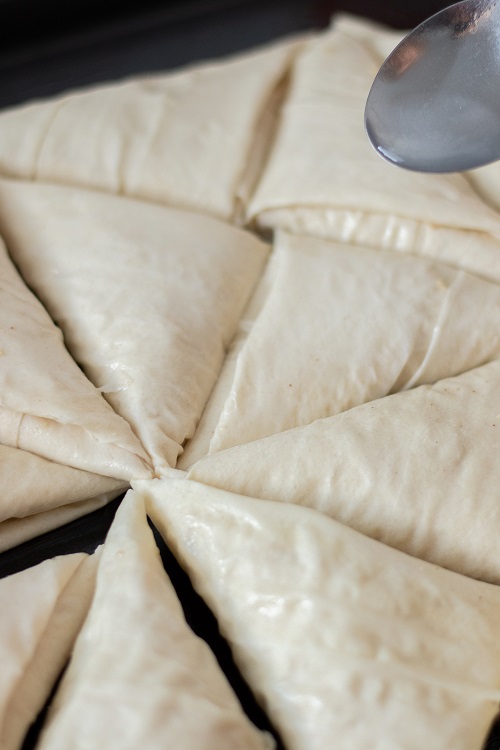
x,y
345,325
340,636
42,609
324,178
139,677
38,495
47,405
417,470
32,484
148,298
14,531
185,139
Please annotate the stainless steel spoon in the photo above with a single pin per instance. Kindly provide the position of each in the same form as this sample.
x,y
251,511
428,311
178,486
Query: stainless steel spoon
x,y
435,103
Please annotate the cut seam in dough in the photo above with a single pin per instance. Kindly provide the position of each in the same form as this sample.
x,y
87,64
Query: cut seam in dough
x,y
293,590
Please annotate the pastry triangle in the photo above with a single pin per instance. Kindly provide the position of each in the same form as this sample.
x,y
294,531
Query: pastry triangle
x,y
42,609
39,495
139,677
333,184
188,138
343,639
345,325
36,485
15,531
47,405
416,470
148,298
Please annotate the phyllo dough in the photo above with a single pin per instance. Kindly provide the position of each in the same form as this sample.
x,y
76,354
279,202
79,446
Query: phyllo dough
x,y
188,138
348,643
41,611
139,677
418,470
342,325
47,405
148,298
324,178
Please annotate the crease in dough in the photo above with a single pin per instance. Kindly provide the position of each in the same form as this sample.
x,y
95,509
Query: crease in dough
x,y
139,677
14,531
417,470
52,110
32,484
148,298
199,445
47,405
132,137
40,495
332,183
307,603
368,324
259,151
43,609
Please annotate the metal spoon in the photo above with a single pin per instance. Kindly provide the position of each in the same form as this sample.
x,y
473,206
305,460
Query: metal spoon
x,y
435,103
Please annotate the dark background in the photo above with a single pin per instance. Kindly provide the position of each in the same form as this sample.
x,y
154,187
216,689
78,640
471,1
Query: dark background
x,y
47,46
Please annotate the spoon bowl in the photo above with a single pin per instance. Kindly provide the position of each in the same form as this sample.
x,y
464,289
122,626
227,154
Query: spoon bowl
x,y
434,106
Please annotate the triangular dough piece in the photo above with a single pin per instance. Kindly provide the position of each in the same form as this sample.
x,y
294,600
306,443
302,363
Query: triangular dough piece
x,y
186,139
418,470
348,643
139,677
41,611
379,38
486,182
15,531
345,325
39,495
148,298
32,484
47,405
324,178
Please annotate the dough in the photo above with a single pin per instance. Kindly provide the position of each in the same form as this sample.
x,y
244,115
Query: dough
x,y
416,470
148,298
38,494
323,177
47,405
139,677
31,484
14,531
343,639
186,139
42,609
342,326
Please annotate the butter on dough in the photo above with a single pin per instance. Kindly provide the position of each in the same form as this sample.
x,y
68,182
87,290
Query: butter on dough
x,y
139,677
41,611
417,470
345,325
148,298
47,405
340,636
323,177
187,138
